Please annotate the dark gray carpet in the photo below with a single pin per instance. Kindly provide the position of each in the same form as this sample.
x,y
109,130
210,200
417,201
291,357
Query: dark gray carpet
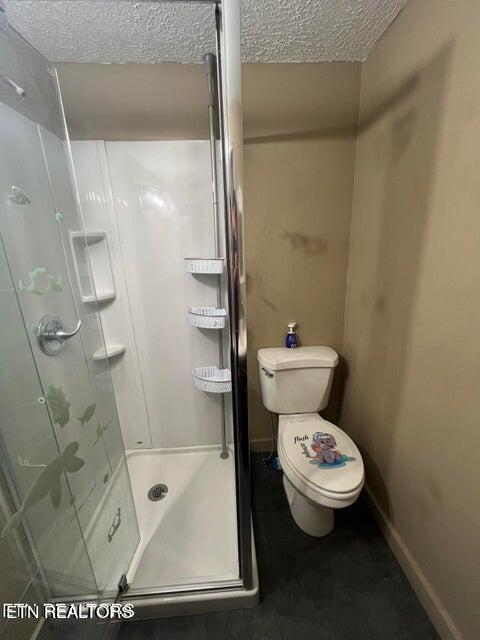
x,y
347,586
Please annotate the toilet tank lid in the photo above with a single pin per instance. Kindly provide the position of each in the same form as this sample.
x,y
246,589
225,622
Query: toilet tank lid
x,y
277,358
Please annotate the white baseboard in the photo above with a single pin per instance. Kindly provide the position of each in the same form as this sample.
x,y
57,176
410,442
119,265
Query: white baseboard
x,y
440,618
261,444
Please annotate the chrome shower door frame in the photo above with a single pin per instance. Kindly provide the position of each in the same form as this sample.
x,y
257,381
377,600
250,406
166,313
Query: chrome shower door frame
x,y
230,96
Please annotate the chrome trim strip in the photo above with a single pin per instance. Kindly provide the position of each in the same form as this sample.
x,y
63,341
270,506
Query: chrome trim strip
x,y
138,593
201,587
210,62
230,92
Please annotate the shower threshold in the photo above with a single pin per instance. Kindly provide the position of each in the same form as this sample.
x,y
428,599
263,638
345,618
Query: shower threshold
x,y
187,559
217,597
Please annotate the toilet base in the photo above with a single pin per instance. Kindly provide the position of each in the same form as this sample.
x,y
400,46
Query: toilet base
x,y
312,518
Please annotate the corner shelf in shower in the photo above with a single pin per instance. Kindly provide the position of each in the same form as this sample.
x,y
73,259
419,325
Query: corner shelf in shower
x,y
89,237
110,351
207,317
204,265
212,379
101,296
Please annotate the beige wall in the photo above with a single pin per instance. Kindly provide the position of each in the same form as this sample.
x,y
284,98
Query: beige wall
x,y
413,302
298,184
135,101
168,101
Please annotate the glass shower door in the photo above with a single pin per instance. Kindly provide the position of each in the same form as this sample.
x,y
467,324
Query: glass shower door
x,y
66,486
39,527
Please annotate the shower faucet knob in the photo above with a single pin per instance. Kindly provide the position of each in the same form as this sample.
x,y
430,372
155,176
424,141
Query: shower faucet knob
x,y
51,334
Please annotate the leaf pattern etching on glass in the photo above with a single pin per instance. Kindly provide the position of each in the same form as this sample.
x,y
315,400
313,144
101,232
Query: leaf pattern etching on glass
x,y
101,430
48,483
54,283
18,196
117,521
59,406
87,414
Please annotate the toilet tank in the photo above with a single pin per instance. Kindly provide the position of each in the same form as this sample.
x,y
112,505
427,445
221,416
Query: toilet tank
x,y
296,380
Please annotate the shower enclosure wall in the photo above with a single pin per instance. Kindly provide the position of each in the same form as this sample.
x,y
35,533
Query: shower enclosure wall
x,y
123,436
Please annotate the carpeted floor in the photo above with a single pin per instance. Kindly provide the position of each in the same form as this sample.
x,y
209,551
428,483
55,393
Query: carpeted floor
x,y
347,586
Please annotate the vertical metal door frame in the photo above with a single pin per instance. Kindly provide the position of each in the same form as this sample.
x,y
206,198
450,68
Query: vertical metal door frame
x,y
230,96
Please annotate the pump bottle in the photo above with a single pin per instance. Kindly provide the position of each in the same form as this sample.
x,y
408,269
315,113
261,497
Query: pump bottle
x,y
291,337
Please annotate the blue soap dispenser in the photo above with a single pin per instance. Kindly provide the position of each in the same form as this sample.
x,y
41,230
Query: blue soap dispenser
x,y
291,337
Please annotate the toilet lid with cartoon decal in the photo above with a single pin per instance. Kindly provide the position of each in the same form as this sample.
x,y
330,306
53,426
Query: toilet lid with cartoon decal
x,y
321,453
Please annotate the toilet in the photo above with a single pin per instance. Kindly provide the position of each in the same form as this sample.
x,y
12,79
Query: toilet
x,y
322,467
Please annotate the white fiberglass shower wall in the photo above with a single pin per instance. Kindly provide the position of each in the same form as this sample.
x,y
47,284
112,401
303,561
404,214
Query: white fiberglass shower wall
x,y
152,204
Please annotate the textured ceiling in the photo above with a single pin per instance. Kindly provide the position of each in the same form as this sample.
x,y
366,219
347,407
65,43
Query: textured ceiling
x,y
149,31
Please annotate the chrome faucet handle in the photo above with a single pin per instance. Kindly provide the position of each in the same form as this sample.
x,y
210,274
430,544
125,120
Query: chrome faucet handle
x,y
65,335
51,334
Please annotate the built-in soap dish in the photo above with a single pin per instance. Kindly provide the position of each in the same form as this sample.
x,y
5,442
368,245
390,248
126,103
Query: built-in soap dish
x,y
110,351
212,379
207,317
204,265
99,296
88,237
93,267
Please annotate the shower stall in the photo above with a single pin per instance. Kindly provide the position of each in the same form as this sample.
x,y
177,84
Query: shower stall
x,y
123,424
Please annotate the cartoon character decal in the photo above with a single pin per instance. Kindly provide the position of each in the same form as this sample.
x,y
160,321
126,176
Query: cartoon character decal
x,y
326,454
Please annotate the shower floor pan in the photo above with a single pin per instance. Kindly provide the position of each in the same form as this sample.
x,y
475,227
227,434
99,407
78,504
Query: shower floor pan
x,y
188,535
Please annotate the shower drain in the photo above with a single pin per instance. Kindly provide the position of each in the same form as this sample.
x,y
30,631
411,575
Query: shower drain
x,y
157,492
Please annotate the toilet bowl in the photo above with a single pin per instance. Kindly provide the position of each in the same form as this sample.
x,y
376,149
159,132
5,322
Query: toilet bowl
x,y
323,470
322,467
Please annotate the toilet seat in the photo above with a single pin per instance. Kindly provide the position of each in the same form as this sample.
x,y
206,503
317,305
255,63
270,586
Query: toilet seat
x,y
335,484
